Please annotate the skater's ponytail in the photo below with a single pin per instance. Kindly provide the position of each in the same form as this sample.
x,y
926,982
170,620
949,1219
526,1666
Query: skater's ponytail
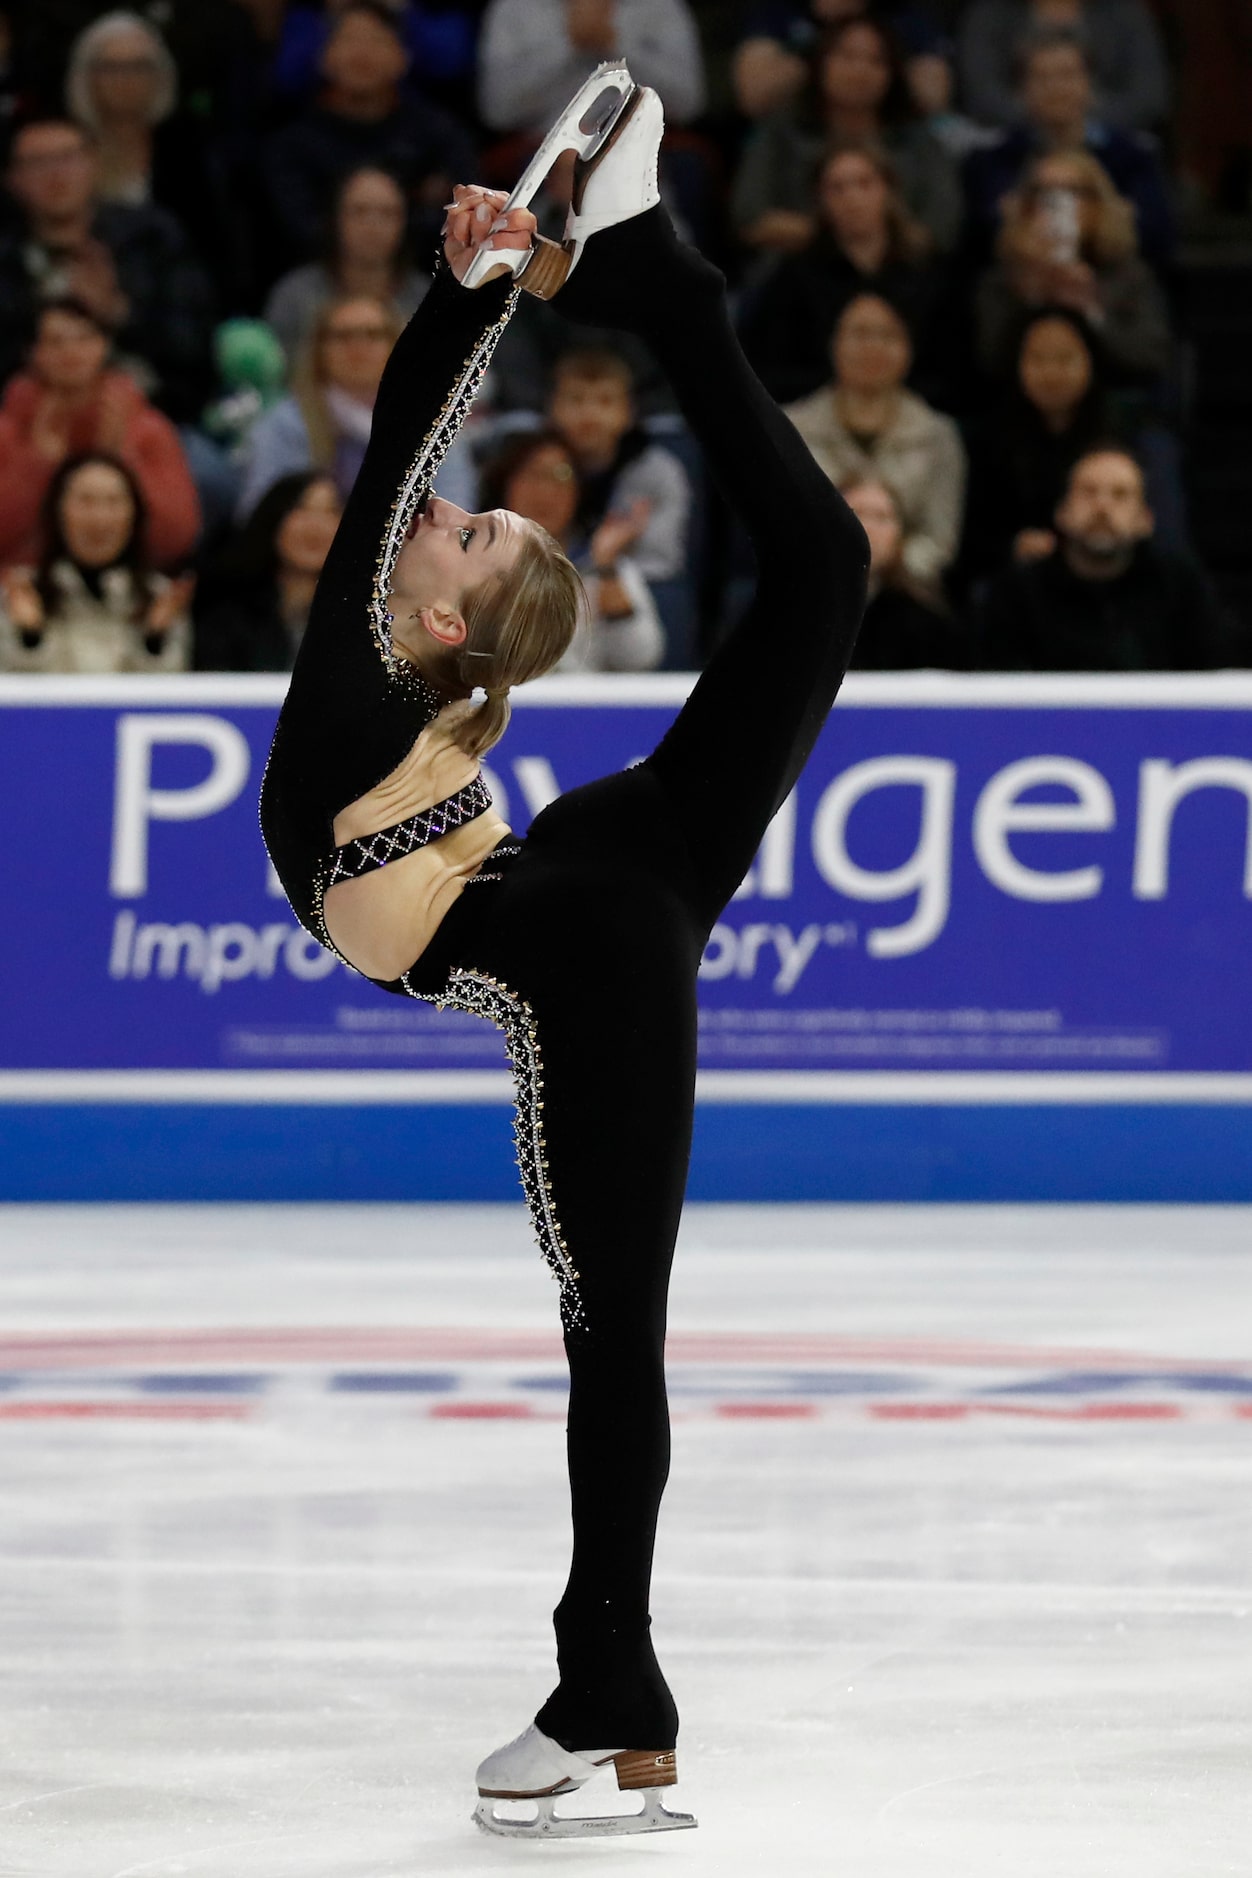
x,y
518,625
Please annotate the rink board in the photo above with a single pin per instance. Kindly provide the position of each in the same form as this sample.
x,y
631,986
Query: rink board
x,y
995,947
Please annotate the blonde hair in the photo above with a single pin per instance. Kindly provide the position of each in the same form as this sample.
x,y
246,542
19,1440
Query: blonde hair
x,y
1114,237
518,625
309,374
91,41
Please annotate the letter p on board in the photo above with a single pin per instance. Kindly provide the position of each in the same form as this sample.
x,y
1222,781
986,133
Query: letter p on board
x,y
136,803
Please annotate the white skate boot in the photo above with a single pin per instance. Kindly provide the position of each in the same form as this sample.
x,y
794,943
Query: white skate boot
x,y
615,126
536,1769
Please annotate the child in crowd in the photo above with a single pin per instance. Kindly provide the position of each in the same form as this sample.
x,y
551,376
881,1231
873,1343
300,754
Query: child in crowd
x,y
621,468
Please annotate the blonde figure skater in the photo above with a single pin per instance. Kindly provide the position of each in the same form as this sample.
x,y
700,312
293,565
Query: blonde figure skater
x,y
581,941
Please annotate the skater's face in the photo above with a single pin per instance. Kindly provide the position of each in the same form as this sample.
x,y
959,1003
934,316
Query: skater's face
x,y
447,557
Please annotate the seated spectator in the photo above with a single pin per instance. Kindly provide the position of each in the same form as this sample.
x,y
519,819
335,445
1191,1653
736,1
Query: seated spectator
x,y
778,37
534,54
592,409
122,87
129,263
856,95
440,39
1057,113
867,242
367,256
251,611
68,402
92,602
325,423
363,116
1021,454
867,425
1130,78
618,629
904,628
1068,239
1107,599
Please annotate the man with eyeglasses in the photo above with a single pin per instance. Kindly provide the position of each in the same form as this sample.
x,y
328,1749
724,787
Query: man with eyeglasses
x,y
131,265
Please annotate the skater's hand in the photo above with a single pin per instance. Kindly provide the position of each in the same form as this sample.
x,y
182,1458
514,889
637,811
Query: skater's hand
x,y
475,219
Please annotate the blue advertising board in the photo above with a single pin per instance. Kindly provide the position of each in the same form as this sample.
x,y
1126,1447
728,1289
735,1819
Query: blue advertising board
x,y
1006,890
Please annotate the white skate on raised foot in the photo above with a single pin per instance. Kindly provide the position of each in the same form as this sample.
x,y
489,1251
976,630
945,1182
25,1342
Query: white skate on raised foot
x,y
536,1769
614,126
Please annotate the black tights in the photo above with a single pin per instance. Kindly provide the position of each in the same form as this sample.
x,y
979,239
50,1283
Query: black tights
x,y
599,924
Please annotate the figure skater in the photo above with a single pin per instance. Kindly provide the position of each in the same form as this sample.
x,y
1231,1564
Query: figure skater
x,y
581,942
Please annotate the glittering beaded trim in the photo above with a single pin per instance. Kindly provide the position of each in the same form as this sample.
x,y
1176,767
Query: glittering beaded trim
x,y
368,852
507,851
422,472
484,996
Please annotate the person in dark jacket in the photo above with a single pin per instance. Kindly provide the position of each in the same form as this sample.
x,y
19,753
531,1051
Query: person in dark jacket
x,y
364,115
131,265
1106,599
1058,113
867,242
250,612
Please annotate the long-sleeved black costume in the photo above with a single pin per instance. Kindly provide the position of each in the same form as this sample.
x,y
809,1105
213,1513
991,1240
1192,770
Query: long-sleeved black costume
x,y
583,942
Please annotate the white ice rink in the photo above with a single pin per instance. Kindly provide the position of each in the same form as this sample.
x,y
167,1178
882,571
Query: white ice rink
x,y
954,1577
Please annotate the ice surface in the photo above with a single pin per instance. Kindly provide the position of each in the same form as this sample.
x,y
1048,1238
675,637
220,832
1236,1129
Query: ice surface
x,y
953,1577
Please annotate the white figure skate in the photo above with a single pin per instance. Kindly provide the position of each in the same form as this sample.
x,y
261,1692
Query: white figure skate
x,y
536,1769
615,127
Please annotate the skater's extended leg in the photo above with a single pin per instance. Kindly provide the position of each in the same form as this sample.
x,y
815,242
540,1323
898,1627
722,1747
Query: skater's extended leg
x,y
742,738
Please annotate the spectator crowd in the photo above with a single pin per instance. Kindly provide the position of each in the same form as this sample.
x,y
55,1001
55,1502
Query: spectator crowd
x,y
951,233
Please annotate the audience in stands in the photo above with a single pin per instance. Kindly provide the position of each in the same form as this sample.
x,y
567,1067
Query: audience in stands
x,y
778,36
622,471
68,401
122,87
325,422
856,94
129,262
1106,599
251,613
1058,115
1068,239
867,242
867,425
367,255
931,213
1130,79
92,602
534,54
363,115
619,629
905,625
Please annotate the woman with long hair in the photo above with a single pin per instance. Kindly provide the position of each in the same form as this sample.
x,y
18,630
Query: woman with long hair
x,y
92,602
325,421
582,941
1068,239
253,604
856,93
866,242
367,254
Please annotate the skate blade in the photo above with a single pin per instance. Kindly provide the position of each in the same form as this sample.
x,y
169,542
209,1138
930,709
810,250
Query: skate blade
x,y
549,1824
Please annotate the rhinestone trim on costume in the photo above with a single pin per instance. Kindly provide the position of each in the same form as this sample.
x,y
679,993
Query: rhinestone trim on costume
x,y
484,996
368,852
422,472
